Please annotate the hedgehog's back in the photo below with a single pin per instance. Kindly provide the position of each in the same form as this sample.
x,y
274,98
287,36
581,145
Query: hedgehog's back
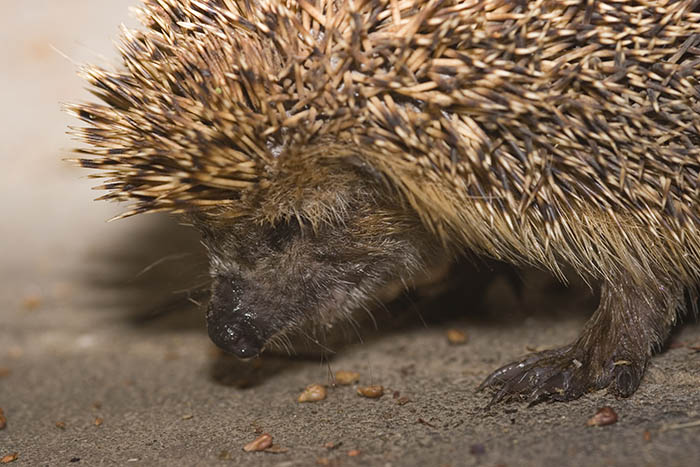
x,y
540,131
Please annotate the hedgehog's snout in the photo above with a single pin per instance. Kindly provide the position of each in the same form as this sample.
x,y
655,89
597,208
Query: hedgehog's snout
x,y
241,341
231,328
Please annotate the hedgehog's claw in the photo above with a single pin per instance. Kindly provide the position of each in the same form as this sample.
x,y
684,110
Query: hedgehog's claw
x,y
552,375
561,375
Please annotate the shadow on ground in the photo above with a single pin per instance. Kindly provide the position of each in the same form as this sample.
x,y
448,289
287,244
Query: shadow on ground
x,y
156,281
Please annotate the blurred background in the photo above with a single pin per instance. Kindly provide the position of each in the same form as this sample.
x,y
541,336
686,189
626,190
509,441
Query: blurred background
x,y
58,251
41,43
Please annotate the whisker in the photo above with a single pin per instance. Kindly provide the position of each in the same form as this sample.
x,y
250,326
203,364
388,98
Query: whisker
x,y
160,261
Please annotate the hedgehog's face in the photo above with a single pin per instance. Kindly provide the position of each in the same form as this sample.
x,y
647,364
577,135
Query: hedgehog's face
x,y
273,277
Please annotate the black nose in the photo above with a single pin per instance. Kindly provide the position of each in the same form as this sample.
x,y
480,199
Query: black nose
x,y
243,343
229,326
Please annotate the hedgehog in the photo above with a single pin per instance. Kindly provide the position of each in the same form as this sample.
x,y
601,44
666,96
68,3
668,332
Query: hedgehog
x,y
326,148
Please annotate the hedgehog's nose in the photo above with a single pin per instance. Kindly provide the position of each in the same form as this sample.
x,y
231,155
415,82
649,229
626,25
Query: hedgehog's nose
x,y
228,325
241,342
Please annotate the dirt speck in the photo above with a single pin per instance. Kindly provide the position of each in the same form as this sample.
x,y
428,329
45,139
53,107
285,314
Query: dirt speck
x,y
31,302
477,449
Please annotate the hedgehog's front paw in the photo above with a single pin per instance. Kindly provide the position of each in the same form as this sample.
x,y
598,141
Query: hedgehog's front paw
x,y
563,374
552,375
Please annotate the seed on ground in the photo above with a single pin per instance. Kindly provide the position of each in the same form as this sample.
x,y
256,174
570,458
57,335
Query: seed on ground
x,y
604,416
373,392
260,443
313,393
456,337
346,377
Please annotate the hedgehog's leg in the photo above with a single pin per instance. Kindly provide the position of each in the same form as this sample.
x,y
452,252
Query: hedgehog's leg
x,y
612,351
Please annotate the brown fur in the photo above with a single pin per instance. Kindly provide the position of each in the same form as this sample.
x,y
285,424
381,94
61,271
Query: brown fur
x,y
374,138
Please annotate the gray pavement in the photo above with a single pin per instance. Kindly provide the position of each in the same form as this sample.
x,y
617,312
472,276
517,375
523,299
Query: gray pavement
x,y
89,375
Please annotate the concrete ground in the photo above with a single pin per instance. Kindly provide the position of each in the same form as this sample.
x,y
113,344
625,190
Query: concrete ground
x,y
103,360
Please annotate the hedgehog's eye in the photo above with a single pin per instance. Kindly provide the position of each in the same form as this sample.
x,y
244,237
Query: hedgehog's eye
x,y
282,233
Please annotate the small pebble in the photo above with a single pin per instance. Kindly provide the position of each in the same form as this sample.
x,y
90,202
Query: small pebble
x,y
354,452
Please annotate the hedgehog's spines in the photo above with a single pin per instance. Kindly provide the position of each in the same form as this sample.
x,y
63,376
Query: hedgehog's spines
x,y
540,132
